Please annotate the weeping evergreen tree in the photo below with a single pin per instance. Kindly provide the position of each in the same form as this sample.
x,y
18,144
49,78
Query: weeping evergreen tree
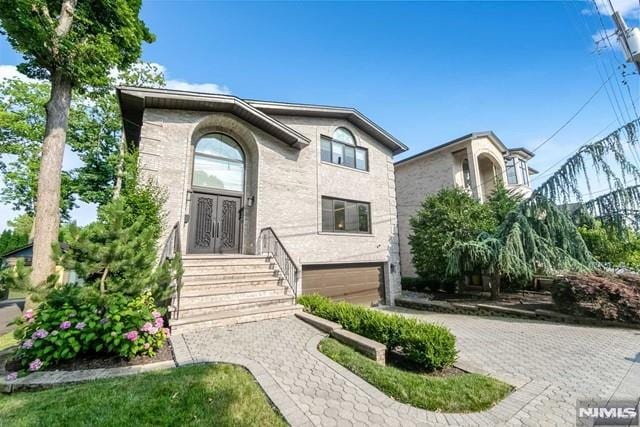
x,y
539,237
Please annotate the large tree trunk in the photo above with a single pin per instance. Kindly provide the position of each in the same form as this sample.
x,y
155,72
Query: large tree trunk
x,y
47,220
495,286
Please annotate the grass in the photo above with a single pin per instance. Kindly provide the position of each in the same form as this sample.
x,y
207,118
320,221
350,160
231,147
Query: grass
x,y
456,393
198,395
7,340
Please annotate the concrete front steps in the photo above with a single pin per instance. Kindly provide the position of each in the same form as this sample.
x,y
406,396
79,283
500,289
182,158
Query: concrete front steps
x,y
229,289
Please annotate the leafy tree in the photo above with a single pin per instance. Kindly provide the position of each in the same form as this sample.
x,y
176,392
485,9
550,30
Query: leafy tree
x,y
10,240
73,45
502,202
611,247
445,218
540,237
94,136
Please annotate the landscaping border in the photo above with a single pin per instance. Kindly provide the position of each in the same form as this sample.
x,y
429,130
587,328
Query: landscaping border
x,y
48,379
486,309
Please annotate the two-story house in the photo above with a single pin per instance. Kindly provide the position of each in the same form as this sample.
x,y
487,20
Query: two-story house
x,y
270,200
476,162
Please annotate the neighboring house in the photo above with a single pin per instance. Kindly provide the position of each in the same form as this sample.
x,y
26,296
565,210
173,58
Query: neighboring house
x,y
321,178
10,259
476,162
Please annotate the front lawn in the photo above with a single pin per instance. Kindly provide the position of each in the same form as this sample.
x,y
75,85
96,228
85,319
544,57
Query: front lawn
x,y
7,340
220,395
456,393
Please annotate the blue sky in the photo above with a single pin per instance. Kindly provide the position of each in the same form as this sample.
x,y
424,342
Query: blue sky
x,y
427,72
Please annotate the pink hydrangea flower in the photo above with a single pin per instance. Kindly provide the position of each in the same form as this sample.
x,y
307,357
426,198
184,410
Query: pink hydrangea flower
x,y
146,327
35,365
12,376
28,343
28,315
153,330
40,333
156,314
65,325
81,325
131,335
146,346
159,322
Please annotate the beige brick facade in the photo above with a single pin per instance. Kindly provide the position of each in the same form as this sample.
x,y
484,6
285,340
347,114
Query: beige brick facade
x,y
286,182
427,173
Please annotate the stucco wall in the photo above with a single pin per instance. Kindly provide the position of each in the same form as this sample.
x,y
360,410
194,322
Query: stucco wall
x,y
287,183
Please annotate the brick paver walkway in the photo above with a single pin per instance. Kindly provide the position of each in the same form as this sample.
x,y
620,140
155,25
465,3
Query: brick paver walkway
x,y
552,365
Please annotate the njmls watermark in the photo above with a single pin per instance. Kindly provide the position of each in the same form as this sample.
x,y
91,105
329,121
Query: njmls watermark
x,y
611,413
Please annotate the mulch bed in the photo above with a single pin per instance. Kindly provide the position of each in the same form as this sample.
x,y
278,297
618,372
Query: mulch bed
x,y
82,363
524,301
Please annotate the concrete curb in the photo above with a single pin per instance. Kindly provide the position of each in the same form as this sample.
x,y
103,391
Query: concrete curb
x,y
526,391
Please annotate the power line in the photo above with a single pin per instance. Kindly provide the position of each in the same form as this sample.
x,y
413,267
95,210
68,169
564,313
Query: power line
x,y
582,107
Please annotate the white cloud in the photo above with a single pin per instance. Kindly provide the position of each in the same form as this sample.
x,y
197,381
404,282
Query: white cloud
x,y
628,8
197,87
10,72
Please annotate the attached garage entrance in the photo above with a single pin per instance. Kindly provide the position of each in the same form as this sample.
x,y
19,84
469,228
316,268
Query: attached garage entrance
x,y
355,283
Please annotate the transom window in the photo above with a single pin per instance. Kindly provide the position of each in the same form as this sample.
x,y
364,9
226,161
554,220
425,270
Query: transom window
x,y
345,216
466,174
342,150
218,163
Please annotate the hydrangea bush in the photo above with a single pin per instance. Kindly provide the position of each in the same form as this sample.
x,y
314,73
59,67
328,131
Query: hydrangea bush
x,y
64,328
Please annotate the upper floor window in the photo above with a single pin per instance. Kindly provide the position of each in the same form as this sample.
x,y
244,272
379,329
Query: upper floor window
x,y
345,216
517,171
218,163
342,150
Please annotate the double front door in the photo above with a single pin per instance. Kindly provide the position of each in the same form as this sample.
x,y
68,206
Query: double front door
x,y
214,224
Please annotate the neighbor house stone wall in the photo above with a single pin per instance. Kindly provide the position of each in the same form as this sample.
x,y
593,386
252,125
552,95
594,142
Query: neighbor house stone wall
x,y
287,184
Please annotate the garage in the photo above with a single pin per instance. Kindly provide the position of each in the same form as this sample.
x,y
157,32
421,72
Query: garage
x,y
354,283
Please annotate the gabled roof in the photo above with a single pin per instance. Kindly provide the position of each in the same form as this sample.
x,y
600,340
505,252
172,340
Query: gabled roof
x,y
473,135
346,113
133,101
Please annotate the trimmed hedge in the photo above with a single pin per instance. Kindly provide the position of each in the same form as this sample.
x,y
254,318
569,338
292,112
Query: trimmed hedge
x,y
431,346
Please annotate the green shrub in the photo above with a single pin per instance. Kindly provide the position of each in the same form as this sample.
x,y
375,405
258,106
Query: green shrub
x,y
66,326
432,346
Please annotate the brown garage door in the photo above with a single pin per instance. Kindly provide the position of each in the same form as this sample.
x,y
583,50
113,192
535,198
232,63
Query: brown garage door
x,y
355,283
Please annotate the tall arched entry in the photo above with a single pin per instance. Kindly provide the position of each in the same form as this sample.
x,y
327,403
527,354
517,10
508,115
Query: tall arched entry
x,y
216,201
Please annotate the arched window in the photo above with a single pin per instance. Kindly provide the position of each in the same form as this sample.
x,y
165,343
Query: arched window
x,y
343,135
218,163
466,173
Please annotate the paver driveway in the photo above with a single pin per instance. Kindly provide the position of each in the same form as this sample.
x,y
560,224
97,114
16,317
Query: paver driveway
x,y
552,365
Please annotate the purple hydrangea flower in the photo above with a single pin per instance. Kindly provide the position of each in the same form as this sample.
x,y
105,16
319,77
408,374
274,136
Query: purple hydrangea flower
x,y
81,325
131,335
146,327
12,376
28,343
65,325
156,314
40,333
159,322
35,365
28,315
153,330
